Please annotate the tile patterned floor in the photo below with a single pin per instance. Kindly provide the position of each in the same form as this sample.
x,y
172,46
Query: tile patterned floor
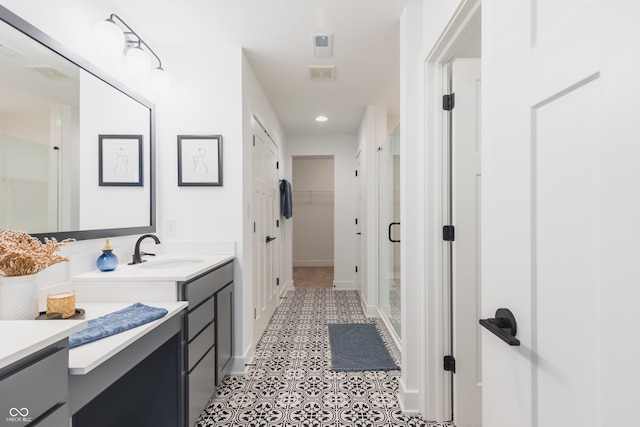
x,y
291,383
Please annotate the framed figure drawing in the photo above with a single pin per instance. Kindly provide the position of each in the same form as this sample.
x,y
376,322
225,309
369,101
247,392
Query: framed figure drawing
x,y
120,160
200,160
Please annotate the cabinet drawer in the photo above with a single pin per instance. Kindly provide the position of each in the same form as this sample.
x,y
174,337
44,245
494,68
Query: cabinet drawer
x,y
202,288
200,345
37,387
58,418
198,318
201,386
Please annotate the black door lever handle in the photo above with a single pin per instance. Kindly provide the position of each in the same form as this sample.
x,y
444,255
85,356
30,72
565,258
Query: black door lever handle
x,y
269,239
503,326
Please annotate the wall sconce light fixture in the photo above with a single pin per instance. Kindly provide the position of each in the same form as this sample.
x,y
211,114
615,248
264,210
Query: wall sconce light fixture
x,y
115,38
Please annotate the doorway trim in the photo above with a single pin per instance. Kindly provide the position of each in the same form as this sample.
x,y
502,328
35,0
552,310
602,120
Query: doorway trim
x,y
436,402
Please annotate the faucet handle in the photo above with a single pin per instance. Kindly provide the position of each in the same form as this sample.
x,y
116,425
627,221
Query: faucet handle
x,y
146,253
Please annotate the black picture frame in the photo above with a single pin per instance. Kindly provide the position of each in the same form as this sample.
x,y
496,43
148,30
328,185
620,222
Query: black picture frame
x,y
120,160
200,160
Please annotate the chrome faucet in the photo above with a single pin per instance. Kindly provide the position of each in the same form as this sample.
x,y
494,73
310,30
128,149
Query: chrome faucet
x,y
137,255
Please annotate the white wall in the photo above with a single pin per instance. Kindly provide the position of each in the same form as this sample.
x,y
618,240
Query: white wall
x,y
313,208
412,177
32,125
435,18
343,149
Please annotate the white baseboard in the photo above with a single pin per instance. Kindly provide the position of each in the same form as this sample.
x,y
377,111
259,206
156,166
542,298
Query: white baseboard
x,y
287,287
238,367
369,310
409,400
239,363
344,285
313,263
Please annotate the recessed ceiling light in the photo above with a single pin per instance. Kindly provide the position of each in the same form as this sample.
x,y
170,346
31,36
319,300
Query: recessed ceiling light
x,y
321,119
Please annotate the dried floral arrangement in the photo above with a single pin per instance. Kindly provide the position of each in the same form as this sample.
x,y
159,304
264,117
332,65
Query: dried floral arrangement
x,y
22,254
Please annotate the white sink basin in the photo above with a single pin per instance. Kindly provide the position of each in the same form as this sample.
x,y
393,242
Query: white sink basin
x,y
166,264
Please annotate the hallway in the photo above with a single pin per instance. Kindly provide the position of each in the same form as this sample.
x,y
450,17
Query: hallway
x,y
290,382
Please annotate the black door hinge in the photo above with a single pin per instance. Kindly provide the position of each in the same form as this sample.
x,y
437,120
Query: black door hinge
x,y
448,102
356,268
278,223
448,233
254,227
450,364
254,140
277,165
277,281
356,172
356,221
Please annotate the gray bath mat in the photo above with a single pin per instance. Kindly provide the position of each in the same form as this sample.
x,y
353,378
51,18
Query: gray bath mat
x,y
358,347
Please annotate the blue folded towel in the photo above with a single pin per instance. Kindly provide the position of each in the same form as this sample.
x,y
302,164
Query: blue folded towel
x,y
116,322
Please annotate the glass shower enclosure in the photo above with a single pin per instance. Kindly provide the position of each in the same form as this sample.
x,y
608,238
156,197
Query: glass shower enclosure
x,y
389,284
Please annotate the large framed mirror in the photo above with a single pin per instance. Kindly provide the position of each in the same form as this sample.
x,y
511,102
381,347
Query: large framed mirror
x,y
54,109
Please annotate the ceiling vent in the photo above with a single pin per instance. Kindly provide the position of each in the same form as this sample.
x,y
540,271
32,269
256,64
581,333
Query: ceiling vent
x,y
47,71
322,45
322,72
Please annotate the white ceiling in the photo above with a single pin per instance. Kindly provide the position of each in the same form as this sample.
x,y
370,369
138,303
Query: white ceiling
x,y
277,37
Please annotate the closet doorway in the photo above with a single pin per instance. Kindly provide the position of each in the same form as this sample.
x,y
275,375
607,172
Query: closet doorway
x,y
313,221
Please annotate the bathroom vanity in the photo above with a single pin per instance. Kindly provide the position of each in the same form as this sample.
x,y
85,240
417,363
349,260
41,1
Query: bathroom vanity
x,y
33,372
204,283
161,373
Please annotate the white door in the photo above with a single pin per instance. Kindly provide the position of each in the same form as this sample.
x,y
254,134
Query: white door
x,y
465,189
561,211
265,211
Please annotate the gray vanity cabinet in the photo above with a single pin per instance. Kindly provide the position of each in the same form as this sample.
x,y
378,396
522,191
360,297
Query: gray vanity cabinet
x,y
35,390
224,330
208,335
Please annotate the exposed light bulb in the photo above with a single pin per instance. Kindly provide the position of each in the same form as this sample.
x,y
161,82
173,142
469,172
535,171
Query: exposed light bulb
x,y
159,81
137,62
109,38
321,119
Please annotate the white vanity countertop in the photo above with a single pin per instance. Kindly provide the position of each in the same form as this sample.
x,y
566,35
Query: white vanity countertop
x,y
86,357
21,338
194,266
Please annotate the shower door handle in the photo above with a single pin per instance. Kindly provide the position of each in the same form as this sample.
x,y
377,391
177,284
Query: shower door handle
x,y
390,226
270,239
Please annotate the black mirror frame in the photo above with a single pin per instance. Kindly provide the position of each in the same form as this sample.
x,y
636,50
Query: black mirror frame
x,y
29,30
